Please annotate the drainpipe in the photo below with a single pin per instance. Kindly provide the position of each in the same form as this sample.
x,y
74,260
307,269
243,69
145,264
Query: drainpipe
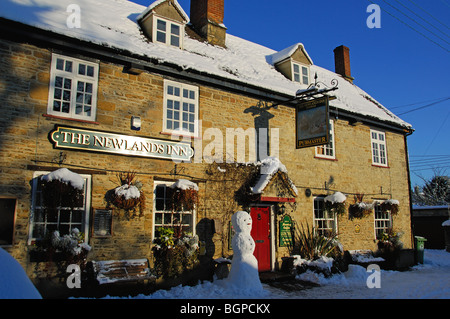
x,y
409,186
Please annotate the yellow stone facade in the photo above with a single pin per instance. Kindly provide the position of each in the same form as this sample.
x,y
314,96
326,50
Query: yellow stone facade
x,y
26,149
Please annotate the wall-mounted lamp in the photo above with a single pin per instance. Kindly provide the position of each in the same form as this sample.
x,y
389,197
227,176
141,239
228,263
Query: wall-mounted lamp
x,y
135,123
281,209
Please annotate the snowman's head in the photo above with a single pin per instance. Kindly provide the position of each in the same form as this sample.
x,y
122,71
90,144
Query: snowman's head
x,y
242,222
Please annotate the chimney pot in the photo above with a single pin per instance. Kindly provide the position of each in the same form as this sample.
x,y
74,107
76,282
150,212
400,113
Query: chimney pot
x,y
342,62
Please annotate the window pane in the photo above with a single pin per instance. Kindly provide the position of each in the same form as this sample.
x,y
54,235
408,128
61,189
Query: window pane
x,y
58,94
67,84
58,82
81,69
90,71
57,106
66,107
66,95
161,25
60,64
304,70
158,218
175,41
305,80
175,29
161,37
68,66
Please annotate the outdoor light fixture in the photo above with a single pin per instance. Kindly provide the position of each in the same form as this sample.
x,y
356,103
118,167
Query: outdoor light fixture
x,y
281,209
135,123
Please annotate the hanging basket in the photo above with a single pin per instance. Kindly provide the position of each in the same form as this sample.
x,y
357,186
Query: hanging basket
x,y
335,203
62,188
184,196
128,196
390,205
359,209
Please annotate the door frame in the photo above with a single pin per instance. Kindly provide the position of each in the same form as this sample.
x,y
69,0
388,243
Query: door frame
x,y
272,231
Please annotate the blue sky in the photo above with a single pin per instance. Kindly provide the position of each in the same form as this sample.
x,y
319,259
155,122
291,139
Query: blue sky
x,y
397,65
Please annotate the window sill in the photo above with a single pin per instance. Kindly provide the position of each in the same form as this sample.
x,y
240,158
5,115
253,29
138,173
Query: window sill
x,y
326,158
380,166
70,119
180,135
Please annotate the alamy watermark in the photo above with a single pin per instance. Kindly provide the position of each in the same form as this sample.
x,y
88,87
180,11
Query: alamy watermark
x,y
374,279
374,19
74,279
73,21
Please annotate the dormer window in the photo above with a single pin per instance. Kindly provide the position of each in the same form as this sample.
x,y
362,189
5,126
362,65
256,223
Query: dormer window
x,y
164,22
168,32
300,73
293,62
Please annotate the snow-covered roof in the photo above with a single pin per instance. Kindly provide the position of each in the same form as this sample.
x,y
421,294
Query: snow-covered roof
x,y
157,3
288,52
112,24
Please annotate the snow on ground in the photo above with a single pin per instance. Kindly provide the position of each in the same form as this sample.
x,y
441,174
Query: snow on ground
x,y
428,281
14,283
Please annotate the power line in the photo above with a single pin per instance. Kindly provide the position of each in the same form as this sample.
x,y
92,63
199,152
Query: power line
x,y
411,104
422,18
437,133
414,29
425,106
431,168
428,13
416,21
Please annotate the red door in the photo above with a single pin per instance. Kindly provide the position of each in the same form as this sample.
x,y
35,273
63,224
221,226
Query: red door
x,y
261,235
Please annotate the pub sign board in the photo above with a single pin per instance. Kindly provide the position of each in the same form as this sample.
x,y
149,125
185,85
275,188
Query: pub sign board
x,y
65,137
312,123
285,231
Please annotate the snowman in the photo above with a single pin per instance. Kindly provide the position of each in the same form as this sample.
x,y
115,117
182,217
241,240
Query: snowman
x,y
244,266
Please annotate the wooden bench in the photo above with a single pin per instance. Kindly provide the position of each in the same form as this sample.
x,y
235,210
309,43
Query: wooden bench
x,y
113,271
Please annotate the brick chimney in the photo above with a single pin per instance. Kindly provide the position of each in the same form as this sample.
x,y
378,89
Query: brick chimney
x,y
207,20
342,62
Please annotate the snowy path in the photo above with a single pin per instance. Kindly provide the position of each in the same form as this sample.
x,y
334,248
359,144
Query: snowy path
x,y
428,281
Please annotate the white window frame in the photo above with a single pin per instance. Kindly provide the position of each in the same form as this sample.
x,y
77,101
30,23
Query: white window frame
x,y
70,81
379,148
327,151
382,220
326,219
34,207
167,32
176,104
300,74
166,212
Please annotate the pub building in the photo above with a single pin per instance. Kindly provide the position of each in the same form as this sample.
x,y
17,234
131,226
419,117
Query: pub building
x,y
121,121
